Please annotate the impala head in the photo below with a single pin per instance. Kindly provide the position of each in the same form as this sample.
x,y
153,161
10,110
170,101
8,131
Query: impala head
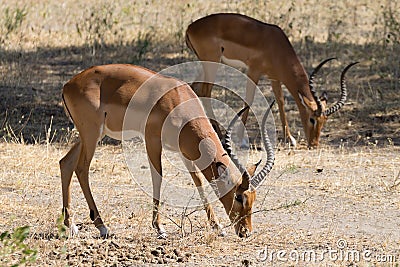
x,y
245,192
319,113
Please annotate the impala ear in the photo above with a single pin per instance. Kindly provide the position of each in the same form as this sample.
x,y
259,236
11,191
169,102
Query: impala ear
x,y
324,96
252,168
307,103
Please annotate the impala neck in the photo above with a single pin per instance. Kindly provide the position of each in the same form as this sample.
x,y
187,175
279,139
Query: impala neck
x,y
228,182
221,173
228,201
298,85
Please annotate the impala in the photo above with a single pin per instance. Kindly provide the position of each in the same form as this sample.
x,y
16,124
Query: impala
x,y
262,49
99,98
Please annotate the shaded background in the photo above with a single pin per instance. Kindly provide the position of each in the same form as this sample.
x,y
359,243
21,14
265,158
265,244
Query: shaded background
x,y
44,43
347,189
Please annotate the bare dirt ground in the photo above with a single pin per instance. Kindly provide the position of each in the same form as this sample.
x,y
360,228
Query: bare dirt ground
x,y
337,205
332,202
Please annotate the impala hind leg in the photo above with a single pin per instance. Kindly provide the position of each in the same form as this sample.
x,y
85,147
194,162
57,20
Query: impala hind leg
x,y
67,166
88,146
277,89
196,176
253,78
78,159
153,147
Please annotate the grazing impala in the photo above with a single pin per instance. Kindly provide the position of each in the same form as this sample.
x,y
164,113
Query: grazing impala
x,y
262,49
99,98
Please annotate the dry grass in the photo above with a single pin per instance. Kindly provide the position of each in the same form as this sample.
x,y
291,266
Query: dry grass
x,y
298,208
55,41
354,197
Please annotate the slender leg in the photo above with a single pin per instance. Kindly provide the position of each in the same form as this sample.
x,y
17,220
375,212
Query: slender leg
x,y
196,176
153,147
88,146
67,166
277,89
254,77
210,71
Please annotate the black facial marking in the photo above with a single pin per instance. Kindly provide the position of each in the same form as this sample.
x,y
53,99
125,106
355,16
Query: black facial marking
x,y
239,198
312,120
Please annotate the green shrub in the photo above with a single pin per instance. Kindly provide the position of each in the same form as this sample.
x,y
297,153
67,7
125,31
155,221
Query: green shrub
x,y
13,250
13,19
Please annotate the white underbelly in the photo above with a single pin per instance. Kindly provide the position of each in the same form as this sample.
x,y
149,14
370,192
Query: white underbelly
x,y
169,141
119,135
234,63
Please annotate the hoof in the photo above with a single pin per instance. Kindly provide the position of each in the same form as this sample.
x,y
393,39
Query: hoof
x,y
292,141
162,236
73,230
161,233
103,231
218,229
222,233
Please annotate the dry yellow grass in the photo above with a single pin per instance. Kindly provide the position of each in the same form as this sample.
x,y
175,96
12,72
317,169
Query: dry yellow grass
x,y
354,197
49,23
55,41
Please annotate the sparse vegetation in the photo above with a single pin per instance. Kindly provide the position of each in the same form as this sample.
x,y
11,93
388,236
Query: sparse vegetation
x,y
12,20
97,25
47,43
13,250
44,43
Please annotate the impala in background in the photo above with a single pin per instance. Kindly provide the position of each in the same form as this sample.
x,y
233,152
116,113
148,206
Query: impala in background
x,y
97,101
262,49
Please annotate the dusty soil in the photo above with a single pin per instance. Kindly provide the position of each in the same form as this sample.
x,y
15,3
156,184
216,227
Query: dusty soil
x,y
331,200
337,205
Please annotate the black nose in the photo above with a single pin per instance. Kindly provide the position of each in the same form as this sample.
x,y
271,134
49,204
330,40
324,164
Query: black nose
x,y
244,234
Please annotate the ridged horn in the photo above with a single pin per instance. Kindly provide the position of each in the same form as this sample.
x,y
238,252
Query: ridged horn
x,y
260,177
234,158
311,84
343,90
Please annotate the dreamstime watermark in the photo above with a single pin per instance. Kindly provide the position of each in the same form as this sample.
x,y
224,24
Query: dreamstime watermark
x,y
176,188
340,253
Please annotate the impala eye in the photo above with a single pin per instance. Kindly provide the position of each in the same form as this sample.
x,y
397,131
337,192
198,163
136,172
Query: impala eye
x,y
312,121
239,198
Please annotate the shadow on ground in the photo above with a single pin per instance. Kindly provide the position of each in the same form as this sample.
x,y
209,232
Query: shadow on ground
x,y
31,82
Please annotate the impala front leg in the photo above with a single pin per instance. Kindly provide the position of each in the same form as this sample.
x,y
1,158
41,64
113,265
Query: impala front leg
x,y
213,221
196,176
253,78
277,89
154,154
210,72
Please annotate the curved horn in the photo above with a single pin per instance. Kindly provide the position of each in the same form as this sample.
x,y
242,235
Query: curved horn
x,y
260,177
234,158
311,84
343,89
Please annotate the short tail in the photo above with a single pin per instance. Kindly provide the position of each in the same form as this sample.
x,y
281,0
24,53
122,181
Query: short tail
x,y
189,44
66,109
